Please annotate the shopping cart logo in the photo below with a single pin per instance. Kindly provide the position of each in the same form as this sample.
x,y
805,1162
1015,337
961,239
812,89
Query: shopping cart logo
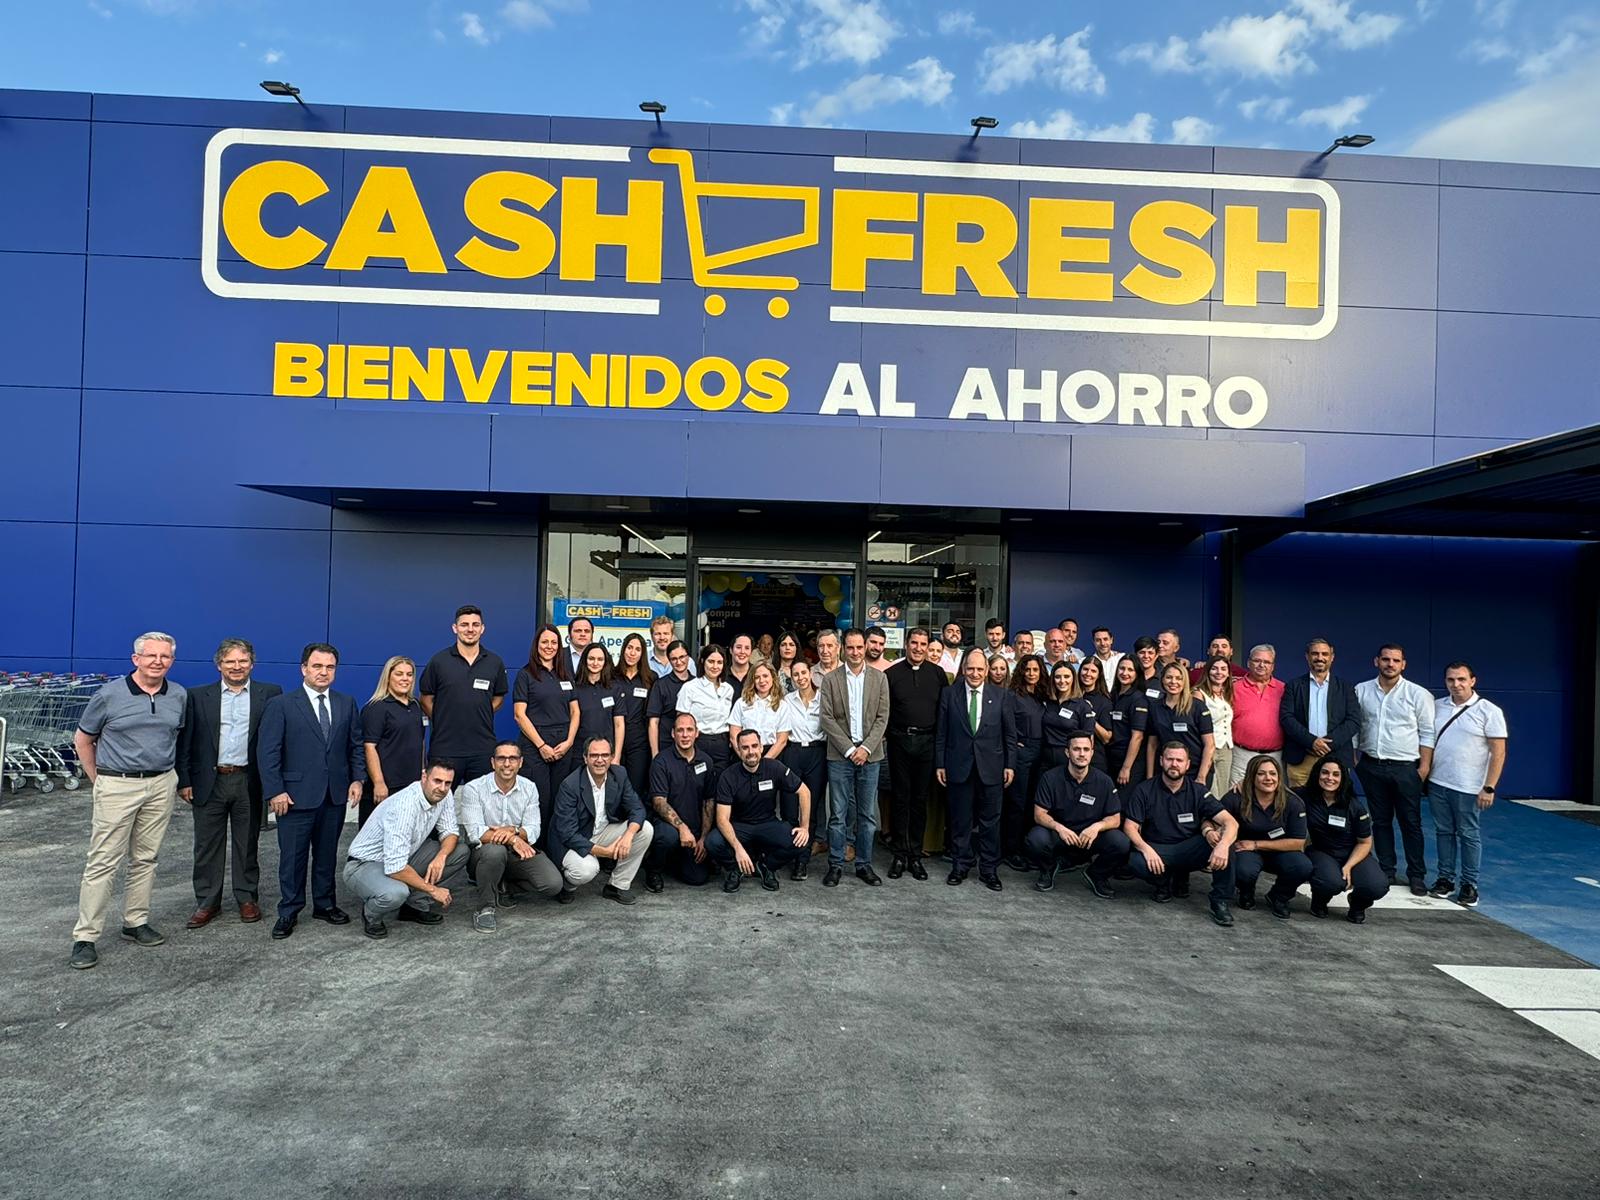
x,y
927,243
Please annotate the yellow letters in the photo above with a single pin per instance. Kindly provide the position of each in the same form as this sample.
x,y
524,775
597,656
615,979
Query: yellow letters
x,y
1297,258
386,195
241,214
855,242
1049,246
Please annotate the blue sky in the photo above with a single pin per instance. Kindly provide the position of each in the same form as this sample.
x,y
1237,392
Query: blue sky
x,y
1492,79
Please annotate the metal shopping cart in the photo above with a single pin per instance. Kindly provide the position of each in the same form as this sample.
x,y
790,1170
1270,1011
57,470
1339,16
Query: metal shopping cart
x,y
708,268
38,715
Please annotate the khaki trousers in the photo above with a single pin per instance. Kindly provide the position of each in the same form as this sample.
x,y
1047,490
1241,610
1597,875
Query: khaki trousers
x,y
579,869
130,819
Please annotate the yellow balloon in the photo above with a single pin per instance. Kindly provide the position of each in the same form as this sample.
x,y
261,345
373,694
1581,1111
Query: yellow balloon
x,y
717,583
833,604
738,583
829,585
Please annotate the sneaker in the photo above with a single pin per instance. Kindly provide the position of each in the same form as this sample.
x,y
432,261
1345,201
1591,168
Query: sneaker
x,y
769,877
506,899
1163,892
611,892
1418,888
1442,887
484,922
1180,885
567,896
1468,897
1356,916
801,870
143,935
1099,887
731,880
1220,913
1047,877
654,881
83,957
1279,906
1319,906
1247,898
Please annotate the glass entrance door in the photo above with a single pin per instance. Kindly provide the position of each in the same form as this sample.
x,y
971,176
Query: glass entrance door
x,y
772,596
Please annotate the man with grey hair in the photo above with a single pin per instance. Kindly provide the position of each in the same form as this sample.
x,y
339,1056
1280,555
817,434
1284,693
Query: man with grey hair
x,y
220,779
127,743
1257,703
827,655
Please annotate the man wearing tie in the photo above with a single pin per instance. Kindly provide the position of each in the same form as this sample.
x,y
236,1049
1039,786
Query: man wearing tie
x,y
972,751
311,759
219,777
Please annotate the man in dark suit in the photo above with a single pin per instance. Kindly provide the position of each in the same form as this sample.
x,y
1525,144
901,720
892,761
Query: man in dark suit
x,y
1320,715
599,815
312,766
972,757
219,776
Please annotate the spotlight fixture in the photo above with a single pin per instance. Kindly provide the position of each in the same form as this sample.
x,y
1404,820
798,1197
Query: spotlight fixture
x,y
277,87
1351,141
979,124
655,108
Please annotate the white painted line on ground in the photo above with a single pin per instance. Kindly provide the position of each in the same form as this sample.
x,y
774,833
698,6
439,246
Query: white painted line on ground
x,y
1594,883
1400,897
1555,805
1579,1027
1532,987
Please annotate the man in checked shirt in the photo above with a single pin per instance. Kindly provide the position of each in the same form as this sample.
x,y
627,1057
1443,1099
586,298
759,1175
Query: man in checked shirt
x,y
406,851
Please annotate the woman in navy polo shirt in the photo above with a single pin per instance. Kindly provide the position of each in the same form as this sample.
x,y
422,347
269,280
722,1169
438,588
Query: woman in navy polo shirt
x,y
1180,716
1065,712
1272,835
1092,687
598,714
1341,843
1027,695
1130,717
546,713
633,680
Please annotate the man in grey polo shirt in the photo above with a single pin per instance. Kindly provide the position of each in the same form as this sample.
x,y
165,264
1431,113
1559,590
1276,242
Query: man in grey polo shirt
x,y
127,742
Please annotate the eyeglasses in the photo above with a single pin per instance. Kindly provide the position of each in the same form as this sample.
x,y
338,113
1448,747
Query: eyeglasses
x,y
508,758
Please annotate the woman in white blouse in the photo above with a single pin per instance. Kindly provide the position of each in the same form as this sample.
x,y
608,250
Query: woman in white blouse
x,y
758,709
708,699
1216,689
801,748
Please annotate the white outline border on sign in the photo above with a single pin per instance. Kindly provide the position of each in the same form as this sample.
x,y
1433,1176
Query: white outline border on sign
x,y
210,216
867,314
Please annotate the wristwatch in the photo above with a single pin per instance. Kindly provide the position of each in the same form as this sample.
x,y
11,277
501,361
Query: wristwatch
x,y
1488,789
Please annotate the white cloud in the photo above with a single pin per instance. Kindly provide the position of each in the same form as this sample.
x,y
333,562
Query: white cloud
x,y
1426,9
1488,50
1337,117
1193,131
856,31
472,28
1547,121
100,10
957,22
1259,47
780,114
1063,63
1332,18
524,14
1542,62
272,56
925,81
1494,14
1174,56
1268,108
1061,124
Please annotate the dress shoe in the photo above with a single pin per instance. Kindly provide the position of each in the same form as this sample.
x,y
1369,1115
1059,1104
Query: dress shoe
x,y
654,881
420,916
567,896
1220,913
143,935
916,870
956,878
333,916
202,917
1419,888
506,899
831,879
731,880
992,882
84,956
620,895
1047,877
897,867
868,876
769,877
283,928
1017,863
1247,898
249,912
1099,887
1279,906
376,930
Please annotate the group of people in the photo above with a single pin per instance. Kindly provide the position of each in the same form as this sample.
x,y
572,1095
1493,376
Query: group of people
x,y
741,761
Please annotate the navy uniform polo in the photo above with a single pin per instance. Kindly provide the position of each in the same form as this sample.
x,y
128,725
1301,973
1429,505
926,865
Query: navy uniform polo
x,y
1130,714
686,783
1257,824
1059,720
463,701
1166,818
1077,805
1166,724
752,796
1335,830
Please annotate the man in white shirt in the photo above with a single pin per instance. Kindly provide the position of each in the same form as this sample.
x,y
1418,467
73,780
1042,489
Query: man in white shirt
x,y
994,629
1396,754
1069,627
1469,753
499,813
406,851
952,640
580,632
854,714
1104,652
599,815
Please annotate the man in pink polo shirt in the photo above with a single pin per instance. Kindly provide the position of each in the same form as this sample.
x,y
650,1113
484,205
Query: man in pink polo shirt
x,y
1257,697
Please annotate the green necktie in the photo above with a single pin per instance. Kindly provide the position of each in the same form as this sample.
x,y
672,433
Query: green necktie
x,y
972,709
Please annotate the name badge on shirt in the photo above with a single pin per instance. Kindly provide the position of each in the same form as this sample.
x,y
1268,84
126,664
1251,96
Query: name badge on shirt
x,y
1180,727
1085,799
1336,821
764,786
608,701
481,685
1274,833
566,685
1153,693
641,693
1116,716
700,768
1065,712
1185,818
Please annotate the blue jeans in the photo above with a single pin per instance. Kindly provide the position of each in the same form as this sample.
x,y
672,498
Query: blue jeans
x,y
1455,815
853,796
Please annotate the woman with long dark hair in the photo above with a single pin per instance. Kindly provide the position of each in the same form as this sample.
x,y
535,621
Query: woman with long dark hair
x,y
1340,831
1130,714
1180,716
788,653
1092,687
597,699
1027,698
802,748
709,699
633,679
1272,835
546,715
1065,713
1215,687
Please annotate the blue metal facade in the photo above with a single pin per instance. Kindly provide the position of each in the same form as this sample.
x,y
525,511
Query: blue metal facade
x,y
141,428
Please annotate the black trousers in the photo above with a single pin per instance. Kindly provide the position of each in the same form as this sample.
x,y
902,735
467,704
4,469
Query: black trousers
x,y
668,857
811,764
1110,851
771,842
1290,868
1394,793
974,818
1367,880
308,836
910,758
717,748
1016,815
228,818
468,767
1181,858
546,776
635,761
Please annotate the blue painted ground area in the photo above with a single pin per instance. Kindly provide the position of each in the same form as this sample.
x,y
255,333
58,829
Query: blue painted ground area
x,y
1530,863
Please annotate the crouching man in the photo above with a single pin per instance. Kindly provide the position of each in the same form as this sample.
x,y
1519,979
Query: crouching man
x,y
599,815
406,852
1164,819
750,836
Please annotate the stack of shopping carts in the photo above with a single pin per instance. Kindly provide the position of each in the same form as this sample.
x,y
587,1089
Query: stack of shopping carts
x,y
38,715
